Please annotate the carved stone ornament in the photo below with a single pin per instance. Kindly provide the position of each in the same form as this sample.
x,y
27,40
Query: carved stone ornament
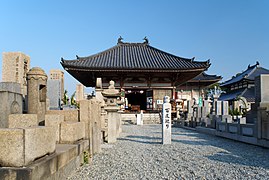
x,y
15,107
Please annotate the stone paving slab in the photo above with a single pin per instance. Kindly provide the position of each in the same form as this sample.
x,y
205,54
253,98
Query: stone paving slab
x,y
139,154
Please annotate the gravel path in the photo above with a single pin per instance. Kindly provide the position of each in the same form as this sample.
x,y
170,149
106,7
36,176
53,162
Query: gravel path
x,y
139,154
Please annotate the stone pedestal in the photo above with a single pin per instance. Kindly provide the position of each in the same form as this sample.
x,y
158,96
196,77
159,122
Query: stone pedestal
x,y
166,121
37,92
70,132
54,121
20,147
22,120
112,116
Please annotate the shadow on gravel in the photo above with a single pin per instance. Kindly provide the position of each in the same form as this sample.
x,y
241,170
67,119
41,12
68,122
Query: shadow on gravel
x,y
142,139
229,151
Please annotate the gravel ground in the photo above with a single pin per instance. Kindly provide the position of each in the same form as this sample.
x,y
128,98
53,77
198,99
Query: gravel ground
x,y
139,154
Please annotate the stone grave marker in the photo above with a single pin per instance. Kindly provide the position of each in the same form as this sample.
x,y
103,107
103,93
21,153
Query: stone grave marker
x,y
166,121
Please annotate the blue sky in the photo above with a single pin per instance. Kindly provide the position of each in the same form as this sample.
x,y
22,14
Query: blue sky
x,y
231,33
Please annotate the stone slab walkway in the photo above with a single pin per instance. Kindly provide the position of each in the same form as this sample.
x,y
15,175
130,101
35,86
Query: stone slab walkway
x,y
139,154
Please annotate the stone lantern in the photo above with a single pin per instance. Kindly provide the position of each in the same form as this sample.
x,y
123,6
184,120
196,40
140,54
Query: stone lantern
x,y
113,124
37,92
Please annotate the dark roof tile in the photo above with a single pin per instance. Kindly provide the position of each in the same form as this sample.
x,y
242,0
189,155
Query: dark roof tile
x,y
134,56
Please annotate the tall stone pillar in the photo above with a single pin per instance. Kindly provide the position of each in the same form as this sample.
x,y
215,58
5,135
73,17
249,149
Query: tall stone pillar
x,y
166,121
111,95
36,92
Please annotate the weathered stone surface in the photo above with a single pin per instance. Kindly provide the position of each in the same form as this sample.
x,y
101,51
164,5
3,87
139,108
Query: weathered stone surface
x,y
59,165
72,132
112,116
22,120
12,87
20,147
10,94
54,120
36,90
12,147
84,116
69,115
39,141
54,94
95,118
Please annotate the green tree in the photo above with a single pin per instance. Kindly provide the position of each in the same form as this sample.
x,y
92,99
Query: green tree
x,y
65,98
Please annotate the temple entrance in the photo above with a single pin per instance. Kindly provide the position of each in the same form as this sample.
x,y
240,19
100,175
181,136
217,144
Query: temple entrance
x,y
137,100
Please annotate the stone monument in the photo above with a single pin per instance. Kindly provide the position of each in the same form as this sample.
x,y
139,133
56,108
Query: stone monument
x,y
11,98
37,89
166,121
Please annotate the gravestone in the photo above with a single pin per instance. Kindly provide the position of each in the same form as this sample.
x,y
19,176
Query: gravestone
x,y
54,94
11,101
218,109
166,121
37,92
225,108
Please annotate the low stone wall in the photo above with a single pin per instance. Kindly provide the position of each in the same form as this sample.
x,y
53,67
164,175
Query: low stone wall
x,y
20,147
54,121
248,134
69,115
148,118
71,132
59,165
22,120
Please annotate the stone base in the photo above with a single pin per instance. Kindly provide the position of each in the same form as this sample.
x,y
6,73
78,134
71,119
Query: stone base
x,y
71,132
59,165
20,147
22,120
54,120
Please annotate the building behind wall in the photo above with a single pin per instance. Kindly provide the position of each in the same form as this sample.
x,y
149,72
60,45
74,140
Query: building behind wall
x,y
143,73
14,69
240,89
56,74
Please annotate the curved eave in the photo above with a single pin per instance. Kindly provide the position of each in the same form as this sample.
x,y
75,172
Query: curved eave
x,y
134,70
211,80
226,84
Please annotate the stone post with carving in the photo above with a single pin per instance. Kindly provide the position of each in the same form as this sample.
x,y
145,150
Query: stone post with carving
x,y
37,92
166,121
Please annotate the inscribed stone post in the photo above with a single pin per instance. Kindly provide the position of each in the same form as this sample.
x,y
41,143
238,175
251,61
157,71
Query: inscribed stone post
x,y
95,118
225,108
217,107
166,121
